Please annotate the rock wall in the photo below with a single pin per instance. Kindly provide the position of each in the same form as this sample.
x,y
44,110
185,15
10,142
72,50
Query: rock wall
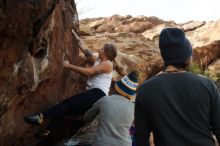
x,y
206,43
35,37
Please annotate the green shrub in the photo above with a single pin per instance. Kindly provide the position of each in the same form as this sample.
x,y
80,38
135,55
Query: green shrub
x,y
194,68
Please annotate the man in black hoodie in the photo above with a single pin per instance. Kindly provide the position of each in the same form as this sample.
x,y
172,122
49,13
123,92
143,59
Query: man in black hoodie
x,y
180,108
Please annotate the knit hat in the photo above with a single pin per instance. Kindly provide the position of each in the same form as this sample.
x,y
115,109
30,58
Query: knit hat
x,y
175,48
128,84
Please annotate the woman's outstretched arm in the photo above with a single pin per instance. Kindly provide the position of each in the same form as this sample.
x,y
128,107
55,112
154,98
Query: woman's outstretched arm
x,y
103,67
92,58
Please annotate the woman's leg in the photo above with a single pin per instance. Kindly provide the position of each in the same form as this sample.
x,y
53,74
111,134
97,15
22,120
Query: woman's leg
x,y
55,112
75,105
85,102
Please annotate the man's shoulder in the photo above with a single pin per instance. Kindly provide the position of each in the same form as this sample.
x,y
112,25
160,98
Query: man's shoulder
x,y
150,81
201,78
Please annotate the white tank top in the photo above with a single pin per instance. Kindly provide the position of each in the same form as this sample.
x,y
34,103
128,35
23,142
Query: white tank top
x,y
101,81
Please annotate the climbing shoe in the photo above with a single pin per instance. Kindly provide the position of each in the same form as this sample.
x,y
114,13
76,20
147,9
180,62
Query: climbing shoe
x,y
34,119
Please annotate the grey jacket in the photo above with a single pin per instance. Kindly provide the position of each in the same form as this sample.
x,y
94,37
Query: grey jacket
x,y
115,116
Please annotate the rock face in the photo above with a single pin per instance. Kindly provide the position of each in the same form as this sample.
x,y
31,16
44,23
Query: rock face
x,y
206,43
35,37
117,23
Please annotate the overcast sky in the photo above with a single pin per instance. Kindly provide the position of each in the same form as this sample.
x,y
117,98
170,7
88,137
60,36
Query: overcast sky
x,y
177,10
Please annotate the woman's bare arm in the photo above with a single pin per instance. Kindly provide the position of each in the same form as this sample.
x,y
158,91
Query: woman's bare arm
x,y
104,67
92,58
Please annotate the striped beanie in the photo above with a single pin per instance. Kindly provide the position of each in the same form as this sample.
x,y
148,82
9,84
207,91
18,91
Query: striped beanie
x,y
128,84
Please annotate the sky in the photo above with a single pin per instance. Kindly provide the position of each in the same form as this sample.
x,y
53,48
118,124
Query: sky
x,y
176,10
